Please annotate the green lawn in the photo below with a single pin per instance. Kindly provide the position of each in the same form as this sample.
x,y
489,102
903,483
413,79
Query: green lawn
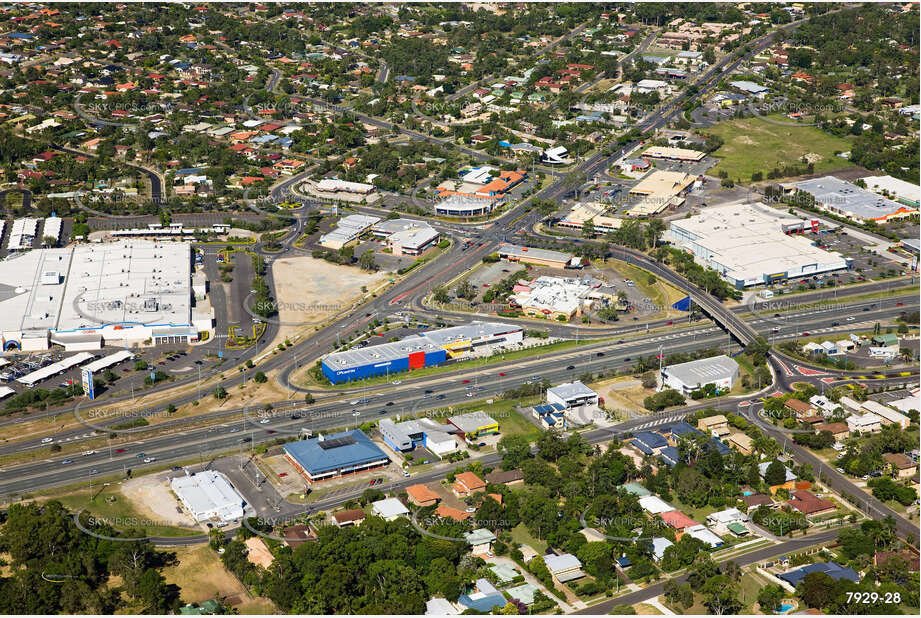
x,y
521,536
756,145
119,510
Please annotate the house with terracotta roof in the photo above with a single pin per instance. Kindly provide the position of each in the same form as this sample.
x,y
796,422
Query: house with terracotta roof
x,y
911,559
800,408
446,511
677,520
809,504
420,495
467,483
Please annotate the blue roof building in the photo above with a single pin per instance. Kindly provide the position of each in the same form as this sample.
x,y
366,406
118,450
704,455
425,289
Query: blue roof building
x,y
651,441
323,458
482,602
832,569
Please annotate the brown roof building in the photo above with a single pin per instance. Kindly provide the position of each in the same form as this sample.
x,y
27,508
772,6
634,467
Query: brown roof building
x,y
351,517
444,510
838,430
755,500
901,464
505,477
809,504
800,408
880,558
298,535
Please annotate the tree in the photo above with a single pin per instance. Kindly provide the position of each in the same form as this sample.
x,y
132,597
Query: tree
x,y
220,393
588,229
260,378
654,230
770,597
440,296
514,450
817,590
366,261
776,474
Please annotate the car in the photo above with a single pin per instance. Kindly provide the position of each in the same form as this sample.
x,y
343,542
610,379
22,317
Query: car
x,y
429,392
776,315
470,509
836,323
382,411
176,468
94,471
849,319
806,334
899,304
570,367
405,473
389,403
669,323
865,477
481,444
840,470
866,308
296,416
356,413
47,440
67,461
119,450
465,381
397,382
264,421
150,459
599,354
619,341
269,431
141,455
86,453
244,440
440,396
469,394
234,430
776,329
354,402
627,359
501,374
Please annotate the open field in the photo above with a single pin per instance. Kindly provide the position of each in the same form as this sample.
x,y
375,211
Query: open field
x,y
756,145
310,290
201,577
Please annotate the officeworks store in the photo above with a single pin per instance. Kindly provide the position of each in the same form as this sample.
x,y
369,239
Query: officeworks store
x,y
417,351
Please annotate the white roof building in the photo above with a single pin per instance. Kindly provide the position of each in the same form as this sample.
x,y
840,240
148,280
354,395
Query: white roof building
x,y
888,415
655,505
912,402
747,245
659,545
868,422
572,394
895,188
208,495
389,508
701,533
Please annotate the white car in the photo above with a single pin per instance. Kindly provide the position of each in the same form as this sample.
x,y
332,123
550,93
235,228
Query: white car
x,y
150,459
356,413
90,453
396,382
850,319
264,421
47,440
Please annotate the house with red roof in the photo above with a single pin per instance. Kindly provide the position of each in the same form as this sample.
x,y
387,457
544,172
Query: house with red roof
x,y
677,520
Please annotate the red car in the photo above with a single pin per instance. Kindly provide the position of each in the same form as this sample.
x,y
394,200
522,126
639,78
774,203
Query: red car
x,y
669,323
805,334
465,382
502,375
282,474
899,304
119,450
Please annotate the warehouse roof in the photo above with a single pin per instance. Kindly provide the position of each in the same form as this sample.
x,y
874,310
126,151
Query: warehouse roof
x,y
571,390
340,450
472,421
662,183
674,153
703,371
523,253
209,491
382,353
846,197
474,331
900,189
746,242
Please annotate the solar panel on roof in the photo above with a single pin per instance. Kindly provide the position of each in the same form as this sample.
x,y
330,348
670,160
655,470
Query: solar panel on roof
x,y
331,443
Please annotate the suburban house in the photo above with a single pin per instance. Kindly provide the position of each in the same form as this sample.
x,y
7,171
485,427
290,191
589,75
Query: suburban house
x,y
351,517
809,504
901,464
839,431
564,568
714,425
420,495
467,483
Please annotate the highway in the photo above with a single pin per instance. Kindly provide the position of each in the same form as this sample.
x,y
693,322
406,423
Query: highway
x,y
408,396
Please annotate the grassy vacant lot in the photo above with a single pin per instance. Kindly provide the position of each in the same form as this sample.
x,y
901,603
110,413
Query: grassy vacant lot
x,y
201,577
521,536
756,145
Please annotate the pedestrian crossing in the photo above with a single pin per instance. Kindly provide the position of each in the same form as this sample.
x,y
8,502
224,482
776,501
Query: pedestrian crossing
x,y
662,421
